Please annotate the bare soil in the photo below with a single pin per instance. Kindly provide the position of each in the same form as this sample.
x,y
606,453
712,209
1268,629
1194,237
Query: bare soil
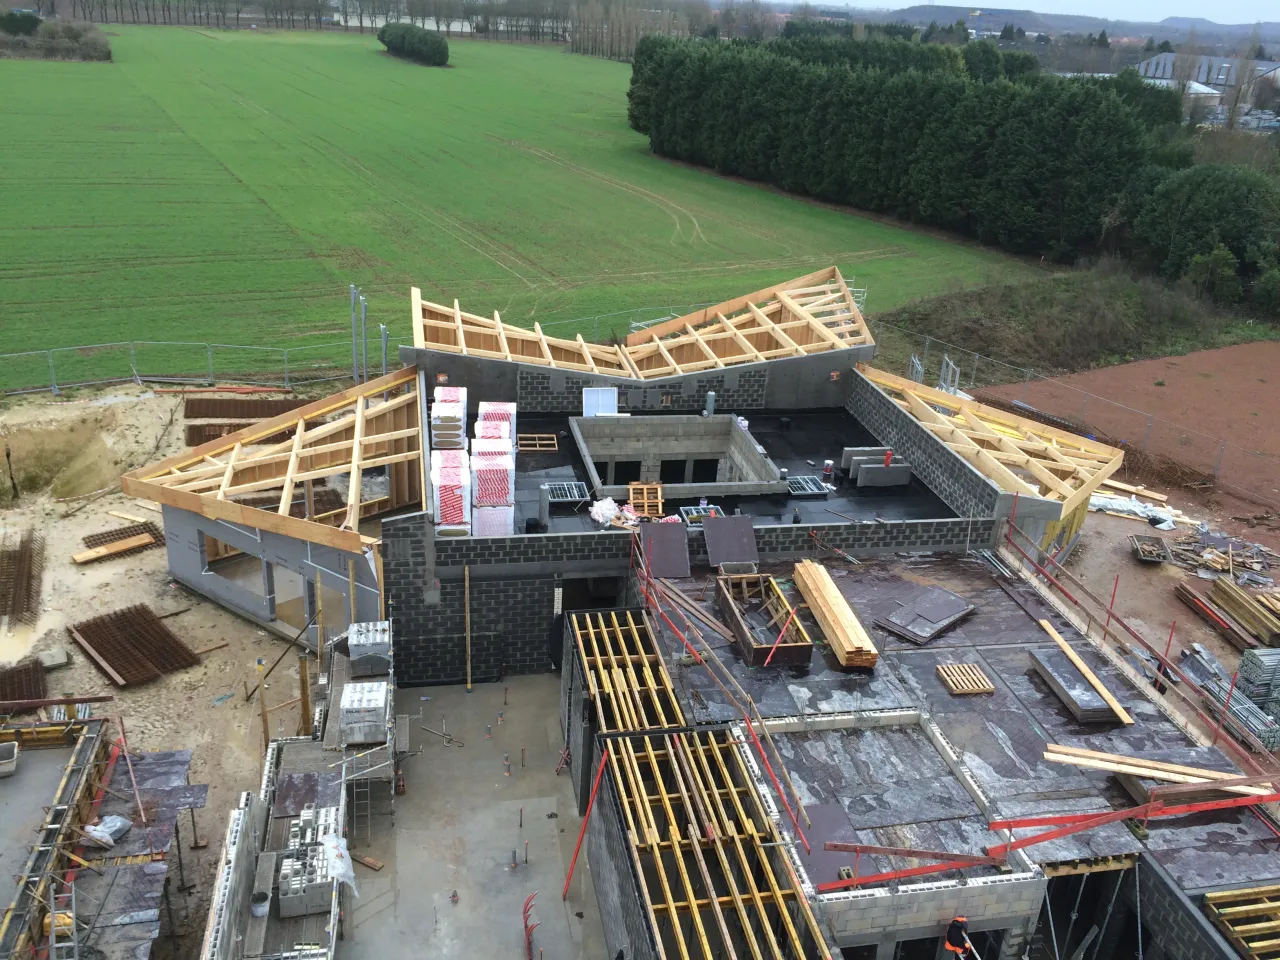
x,y
1199,401
77,445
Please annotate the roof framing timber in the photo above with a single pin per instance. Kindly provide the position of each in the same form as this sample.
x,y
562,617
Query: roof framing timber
x,y
372,425
811,314
1019,455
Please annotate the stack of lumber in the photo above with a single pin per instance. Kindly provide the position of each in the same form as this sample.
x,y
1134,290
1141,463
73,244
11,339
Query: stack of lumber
x,y
1146,769
1247,611
1215,616
845,634
1270,599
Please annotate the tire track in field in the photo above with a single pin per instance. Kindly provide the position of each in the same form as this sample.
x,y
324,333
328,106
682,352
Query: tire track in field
x,y
670,207
462,232
289,227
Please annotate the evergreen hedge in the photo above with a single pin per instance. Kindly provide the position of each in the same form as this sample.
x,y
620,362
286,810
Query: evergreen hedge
x,y
414,43
1036,166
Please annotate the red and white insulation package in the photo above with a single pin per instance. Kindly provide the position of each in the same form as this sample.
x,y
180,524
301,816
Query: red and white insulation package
x,y
451,492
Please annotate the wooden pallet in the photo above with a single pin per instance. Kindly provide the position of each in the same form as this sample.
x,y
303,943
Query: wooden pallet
x,y
964,678
844,633
537,442
645,498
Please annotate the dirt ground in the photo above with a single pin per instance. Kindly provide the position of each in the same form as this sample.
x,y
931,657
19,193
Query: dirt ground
x,y
1199,400
201,709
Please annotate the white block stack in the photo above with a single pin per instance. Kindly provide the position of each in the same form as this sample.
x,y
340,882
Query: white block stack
x,y
490,448
494,521
493,481
494,430
493,412
363,712
448,422
451,492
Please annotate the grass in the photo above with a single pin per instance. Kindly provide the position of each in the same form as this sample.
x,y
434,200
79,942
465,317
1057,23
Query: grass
x,y
223,186
1077,320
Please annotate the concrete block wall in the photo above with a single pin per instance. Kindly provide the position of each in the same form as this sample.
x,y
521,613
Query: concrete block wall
x,y
792,541
1171,918
950,476
798,383
513,589
185,533
627,931
915,911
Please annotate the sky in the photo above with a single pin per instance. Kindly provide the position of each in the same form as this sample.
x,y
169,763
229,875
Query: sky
x,y
1153,11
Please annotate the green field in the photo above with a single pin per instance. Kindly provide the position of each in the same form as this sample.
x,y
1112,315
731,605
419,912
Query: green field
x,y
227,187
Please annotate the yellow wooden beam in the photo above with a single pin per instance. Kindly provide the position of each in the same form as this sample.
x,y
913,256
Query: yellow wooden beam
x,y
228,472
353,482
286,495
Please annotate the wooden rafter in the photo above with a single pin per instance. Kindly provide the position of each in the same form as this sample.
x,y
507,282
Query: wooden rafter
x,y
342,434
1018,455
808,315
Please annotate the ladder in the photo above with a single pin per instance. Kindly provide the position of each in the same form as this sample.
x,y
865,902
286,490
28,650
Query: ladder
x,y
68,948
361,807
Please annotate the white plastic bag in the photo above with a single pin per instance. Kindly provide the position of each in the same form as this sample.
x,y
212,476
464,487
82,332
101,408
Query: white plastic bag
x,y
100,835
339,860
116,826
602,511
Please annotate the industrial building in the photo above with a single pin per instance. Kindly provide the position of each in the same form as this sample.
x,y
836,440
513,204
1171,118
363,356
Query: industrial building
x,y
941,709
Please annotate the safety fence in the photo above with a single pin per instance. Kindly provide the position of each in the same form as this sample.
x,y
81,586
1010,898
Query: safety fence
x,y
1157,450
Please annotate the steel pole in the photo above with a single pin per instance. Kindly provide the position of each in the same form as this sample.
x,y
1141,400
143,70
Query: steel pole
x,y
382,327
364,338
355,357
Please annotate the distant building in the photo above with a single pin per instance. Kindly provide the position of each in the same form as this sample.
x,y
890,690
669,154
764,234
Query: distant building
x,y
1220,73
1200,93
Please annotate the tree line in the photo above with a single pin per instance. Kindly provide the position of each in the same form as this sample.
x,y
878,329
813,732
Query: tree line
x,y
1041,165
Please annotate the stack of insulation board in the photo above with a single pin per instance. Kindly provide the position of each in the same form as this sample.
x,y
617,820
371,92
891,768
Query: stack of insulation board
x,y
493,495
491,448
488,411
451,492
363,712
448,423
494,430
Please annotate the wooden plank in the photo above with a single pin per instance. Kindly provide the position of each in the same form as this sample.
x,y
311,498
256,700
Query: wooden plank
x,y
353,482
286,495
126,516
111,549
1139,491
367,861
415,322
1089,675
1136,768
97,657
845,634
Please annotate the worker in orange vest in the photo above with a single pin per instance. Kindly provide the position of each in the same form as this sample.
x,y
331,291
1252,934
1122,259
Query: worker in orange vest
x,y
958,937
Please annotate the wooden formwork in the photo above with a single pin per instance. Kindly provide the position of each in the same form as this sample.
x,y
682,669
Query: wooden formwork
x,y
72,805
744,598
1249,918
712,874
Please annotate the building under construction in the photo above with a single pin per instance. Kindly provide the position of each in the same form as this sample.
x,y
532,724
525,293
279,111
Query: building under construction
x,y
825,684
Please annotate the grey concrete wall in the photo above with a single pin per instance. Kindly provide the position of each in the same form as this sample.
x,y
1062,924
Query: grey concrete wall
x,y
184,532
627,931
797,383
792,541
950,476
1173,920
654,439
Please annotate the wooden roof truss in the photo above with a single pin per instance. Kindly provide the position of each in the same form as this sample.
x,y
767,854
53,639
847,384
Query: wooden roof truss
x,y
1017,454
373,425
811,314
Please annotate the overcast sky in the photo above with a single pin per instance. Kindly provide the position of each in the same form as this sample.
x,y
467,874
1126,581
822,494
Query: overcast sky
x,y
1152,11
1221,11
